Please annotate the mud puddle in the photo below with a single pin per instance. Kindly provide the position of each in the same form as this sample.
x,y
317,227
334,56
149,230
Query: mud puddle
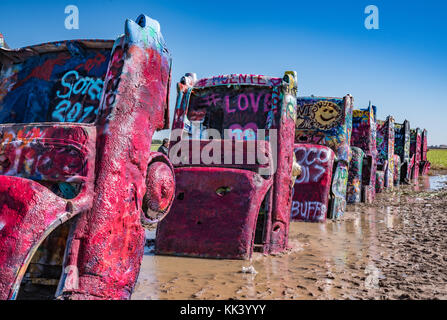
x,y
434,183
393,249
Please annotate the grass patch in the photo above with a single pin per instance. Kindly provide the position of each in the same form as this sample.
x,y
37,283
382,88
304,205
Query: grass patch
x,y
438,159
154,147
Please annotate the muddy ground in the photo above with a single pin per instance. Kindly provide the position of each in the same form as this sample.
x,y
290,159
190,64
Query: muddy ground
x,y
395,248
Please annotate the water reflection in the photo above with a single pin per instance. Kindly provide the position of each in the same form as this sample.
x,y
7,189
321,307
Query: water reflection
x,y
436,182
331,260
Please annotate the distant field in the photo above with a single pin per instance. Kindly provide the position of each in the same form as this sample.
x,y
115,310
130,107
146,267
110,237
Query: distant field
x,y
154,147
438,158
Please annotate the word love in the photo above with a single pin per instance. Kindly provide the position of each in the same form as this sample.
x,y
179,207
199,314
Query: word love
x,y
250,102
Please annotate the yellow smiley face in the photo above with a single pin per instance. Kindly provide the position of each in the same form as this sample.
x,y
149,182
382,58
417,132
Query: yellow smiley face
x,y
326,114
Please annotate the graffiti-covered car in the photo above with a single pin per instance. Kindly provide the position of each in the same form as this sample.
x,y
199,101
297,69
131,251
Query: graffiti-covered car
x,y
424,166
354,188
364,137
402,149
76,174
396,171
415,152
232,150
385,154
322,149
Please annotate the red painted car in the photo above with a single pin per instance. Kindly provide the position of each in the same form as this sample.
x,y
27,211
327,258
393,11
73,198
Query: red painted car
x,y
385,149
77,177
229,201
322,149
424,164
415,153
364,137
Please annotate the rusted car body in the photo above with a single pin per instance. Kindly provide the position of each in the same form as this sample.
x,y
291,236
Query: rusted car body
x,y
415,152
424,166
385,151
322,148
230,206
402,149
77,177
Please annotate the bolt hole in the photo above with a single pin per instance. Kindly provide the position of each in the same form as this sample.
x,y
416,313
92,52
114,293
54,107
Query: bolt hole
x,y
223,191
181,196
199,222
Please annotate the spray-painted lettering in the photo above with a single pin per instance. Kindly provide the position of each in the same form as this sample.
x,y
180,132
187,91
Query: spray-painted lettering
x,y
80,96
309,210
313,162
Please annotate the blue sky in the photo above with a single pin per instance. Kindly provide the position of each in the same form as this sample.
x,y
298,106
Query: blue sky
x,y
401,68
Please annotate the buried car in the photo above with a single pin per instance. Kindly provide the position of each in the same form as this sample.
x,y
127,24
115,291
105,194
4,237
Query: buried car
x,y
232,150
354,188
385,150
396,172
77,178
424,166
415,153
364,137
402,149
322,149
